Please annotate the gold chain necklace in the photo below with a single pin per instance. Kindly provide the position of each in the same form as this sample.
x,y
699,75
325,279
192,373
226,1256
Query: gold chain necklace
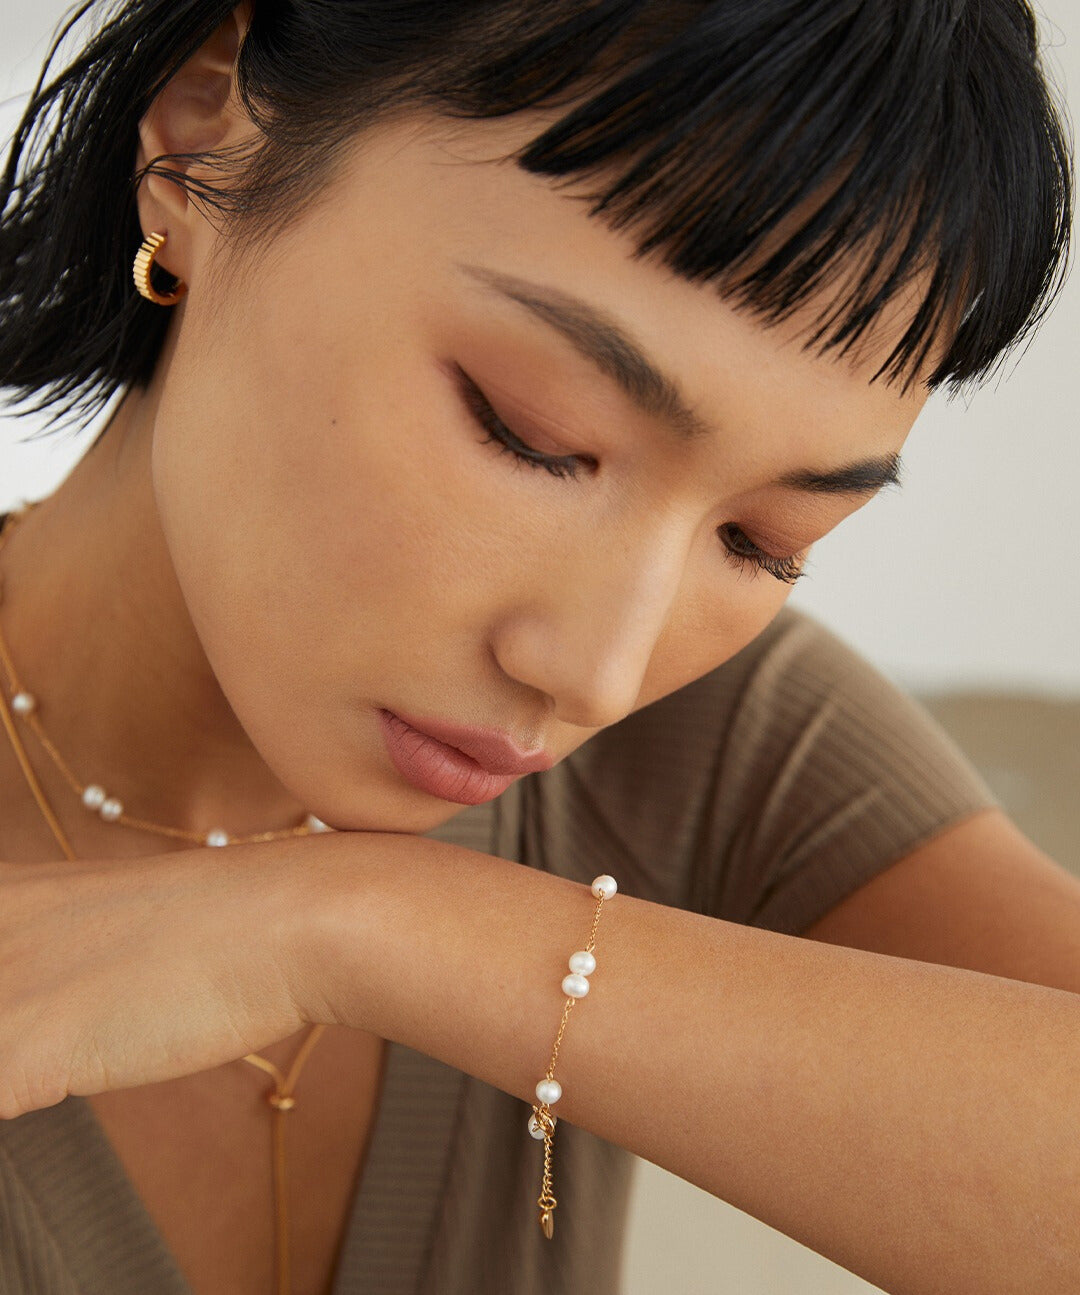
x,y
281,1098
94,796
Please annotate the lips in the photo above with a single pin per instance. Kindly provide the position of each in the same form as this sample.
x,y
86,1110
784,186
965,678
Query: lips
x,y
467,765
492,750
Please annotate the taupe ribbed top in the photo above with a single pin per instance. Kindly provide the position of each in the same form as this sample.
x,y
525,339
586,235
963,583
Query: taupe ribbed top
x,y
762,793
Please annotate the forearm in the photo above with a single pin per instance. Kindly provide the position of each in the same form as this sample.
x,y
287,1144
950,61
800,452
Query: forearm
x,y
918,1124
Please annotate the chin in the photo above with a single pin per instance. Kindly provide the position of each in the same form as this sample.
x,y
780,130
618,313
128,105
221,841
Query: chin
x,y
410,812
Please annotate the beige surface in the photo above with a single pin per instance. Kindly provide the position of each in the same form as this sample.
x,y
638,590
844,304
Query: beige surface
x,y
684,1241
1028,750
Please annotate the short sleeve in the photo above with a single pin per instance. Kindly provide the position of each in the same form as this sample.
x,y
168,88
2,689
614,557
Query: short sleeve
x,y
829,774
762,793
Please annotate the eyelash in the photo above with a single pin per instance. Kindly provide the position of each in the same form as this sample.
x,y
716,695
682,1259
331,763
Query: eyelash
x,y
740,548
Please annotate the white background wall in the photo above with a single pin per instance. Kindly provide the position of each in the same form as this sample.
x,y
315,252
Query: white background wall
x,y
966,576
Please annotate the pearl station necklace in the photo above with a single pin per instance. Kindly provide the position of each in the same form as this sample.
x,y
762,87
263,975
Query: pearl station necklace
x,y
95,799
92,794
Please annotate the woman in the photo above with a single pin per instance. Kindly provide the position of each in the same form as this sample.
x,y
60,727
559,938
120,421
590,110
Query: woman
x,y
498,369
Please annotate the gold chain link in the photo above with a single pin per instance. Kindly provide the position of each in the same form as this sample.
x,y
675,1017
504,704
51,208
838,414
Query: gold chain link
x,y
124,818
542,1111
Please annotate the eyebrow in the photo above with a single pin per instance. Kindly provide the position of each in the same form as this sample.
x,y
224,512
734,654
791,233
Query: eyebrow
x,y
594,335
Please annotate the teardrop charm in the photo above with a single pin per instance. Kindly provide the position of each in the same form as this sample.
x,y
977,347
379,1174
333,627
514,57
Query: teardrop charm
x,y
547,1222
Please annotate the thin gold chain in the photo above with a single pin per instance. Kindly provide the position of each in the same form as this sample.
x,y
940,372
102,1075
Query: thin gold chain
x,y
571,1001
546,1200
128,820
31,778
281,1099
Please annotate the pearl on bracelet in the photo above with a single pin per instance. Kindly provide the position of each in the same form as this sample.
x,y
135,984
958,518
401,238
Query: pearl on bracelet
x,y
111,809
217,837
575,985
537,1129
23,703
93,797
548,1091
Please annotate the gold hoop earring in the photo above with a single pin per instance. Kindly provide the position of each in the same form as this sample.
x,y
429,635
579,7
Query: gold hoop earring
x,y
144,260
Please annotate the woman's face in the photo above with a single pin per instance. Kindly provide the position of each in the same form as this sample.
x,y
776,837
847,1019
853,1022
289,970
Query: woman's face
x,y
349,535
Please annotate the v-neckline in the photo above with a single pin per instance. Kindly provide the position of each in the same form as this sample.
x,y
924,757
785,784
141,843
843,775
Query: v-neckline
x,y
94,1213
90,1207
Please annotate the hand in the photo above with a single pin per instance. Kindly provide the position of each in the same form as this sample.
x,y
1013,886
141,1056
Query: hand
x,y
115,974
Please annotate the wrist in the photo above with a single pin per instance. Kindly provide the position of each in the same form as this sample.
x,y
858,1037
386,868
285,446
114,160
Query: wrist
x,y
331,917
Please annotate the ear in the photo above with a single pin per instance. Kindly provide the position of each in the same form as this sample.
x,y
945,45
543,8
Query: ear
x,y
195,111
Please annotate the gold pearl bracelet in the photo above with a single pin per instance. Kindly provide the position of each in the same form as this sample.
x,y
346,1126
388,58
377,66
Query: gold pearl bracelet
x,y
549,1090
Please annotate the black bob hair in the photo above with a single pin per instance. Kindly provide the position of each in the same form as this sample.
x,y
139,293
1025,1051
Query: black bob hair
x,y
770,146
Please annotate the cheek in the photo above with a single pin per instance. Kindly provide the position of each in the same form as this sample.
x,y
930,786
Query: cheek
x,y
709,626
331,524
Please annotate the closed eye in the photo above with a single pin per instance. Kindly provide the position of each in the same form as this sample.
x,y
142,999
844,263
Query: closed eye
x,y
506,441
740,549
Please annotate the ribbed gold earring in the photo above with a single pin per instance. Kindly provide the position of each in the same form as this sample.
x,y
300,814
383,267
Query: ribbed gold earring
x,y
144,260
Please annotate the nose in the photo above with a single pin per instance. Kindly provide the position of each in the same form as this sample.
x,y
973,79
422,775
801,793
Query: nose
x,y
585,630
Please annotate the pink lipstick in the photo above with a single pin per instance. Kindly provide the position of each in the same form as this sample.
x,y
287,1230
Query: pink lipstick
x,y
463,764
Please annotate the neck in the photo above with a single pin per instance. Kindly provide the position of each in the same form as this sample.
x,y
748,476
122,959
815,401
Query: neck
x,y
98,632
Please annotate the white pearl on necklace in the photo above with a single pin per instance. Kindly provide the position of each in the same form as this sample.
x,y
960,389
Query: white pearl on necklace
x,y
111,809
217,837
93,797
575,986
23,703
582,962
548,1091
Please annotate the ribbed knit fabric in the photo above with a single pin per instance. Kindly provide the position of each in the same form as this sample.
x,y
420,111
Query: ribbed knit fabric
x,y
762,793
